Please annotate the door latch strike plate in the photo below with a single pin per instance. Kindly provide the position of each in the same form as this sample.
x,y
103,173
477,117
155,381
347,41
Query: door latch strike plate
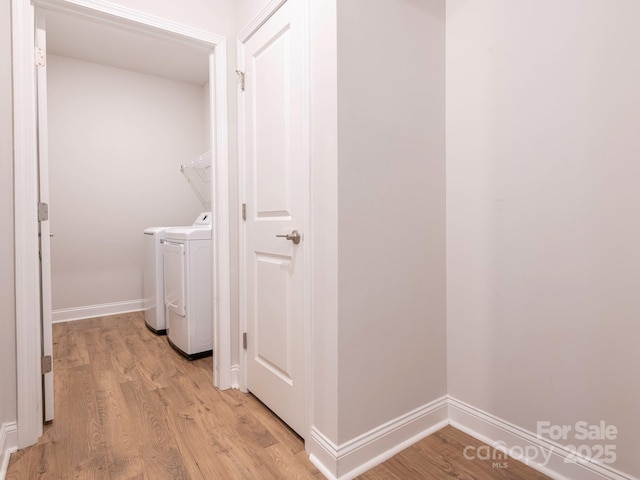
x,y
244,340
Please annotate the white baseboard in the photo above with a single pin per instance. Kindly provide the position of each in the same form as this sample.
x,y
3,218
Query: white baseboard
x,y
546,456
92,311
347,461
8,445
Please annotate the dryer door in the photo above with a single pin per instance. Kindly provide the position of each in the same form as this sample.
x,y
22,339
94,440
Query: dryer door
x,y
174,277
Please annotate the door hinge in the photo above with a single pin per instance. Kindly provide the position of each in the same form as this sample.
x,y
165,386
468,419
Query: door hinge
x,y
47,364
43,211
244,211
240,74
244,340
39,57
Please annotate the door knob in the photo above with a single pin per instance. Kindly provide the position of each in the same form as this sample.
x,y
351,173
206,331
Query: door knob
x,y
294,236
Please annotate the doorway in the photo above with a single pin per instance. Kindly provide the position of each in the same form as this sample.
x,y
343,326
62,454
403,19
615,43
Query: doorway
x,y
28,302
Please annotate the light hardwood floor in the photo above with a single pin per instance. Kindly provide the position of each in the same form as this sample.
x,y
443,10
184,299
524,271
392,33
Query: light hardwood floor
x,y
129,407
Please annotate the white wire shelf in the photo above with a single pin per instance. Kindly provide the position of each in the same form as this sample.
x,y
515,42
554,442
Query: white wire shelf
x,y
198,174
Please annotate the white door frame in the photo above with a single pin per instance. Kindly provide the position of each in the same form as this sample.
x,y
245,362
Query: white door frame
x,y
243,36
27,276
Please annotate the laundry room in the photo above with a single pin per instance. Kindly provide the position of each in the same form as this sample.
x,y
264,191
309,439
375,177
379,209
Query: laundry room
x,y
125,111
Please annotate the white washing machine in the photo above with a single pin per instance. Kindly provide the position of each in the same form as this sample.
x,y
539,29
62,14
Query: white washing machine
x,y
188,287
153,280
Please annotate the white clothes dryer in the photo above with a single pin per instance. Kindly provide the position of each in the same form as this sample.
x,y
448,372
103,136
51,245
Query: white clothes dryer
x,y
188,287
153,280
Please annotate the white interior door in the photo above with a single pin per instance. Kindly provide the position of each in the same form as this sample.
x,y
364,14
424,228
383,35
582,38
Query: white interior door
x,y
274,191
45,229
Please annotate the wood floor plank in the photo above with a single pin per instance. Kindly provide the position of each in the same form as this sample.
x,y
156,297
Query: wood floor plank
x,y
61,341
28,463
427,460
441,455
121,358
161,457
77,352
276,426
381,472
124,459
193,440
242,461
498,467
128,407
278,460
87,456
215,408
303,459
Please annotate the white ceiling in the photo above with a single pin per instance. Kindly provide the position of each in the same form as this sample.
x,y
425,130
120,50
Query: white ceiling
x,y
107,44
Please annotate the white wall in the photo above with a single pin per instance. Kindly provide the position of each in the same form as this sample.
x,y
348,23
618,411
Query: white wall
x,y
391,225
323,66
8,411
116,141
247,10
543,212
